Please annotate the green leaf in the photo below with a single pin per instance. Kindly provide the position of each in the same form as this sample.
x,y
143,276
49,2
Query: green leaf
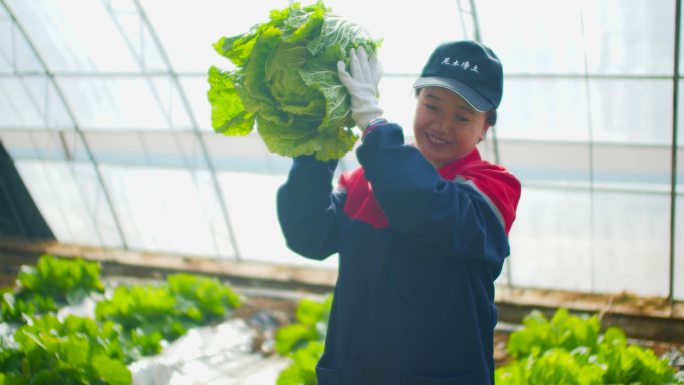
x,y
59,376
305,25
291,337
76,349
614,337
228,114
28,278
309,311
112,371
50,282
302,371
290,376
10,358
567,350
149,343
201,298
633,364
12,379
236,48
512,374
563,330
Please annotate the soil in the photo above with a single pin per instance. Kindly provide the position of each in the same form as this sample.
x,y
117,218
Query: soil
x,y
501,358
6,280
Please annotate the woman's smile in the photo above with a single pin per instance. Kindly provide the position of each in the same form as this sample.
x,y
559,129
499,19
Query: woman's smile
x,y
436,141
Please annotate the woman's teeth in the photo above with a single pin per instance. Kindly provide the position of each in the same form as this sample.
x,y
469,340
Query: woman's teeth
x,y
436,140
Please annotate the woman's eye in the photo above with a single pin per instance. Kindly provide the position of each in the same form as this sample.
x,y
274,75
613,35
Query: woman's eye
x,y
462,118
430,107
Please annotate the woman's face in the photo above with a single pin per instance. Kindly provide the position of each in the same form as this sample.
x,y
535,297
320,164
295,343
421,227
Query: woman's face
x,y
445,126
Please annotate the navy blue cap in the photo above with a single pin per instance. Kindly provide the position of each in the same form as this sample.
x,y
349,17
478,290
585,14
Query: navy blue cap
x,y
468,68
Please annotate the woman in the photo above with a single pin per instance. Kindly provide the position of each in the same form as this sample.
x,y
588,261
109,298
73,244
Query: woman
x,y
421,231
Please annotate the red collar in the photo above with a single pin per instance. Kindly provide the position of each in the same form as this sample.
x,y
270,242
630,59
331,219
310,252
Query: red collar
x,y
450,170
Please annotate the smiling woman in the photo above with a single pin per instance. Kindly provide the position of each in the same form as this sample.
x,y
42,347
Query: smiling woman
x,y
421,233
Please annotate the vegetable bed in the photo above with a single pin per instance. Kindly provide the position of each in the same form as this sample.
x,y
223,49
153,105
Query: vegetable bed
x,y
136,320
566,349
48,346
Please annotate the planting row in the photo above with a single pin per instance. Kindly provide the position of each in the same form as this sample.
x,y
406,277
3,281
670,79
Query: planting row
x,y
129,322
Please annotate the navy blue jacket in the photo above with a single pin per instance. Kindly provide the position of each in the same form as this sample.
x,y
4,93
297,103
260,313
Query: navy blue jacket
x,y
419,250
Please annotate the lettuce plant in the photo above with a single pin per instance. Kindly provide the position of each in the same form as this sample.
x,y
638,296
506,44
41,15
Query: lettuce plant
x,y
286,81
311,326
562,331
50,283
150,314
302,371
77,351
303,342
569,349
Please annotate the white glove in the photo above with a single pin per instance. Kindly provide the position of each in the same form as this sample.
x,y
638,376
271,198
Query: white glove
x,y
362,86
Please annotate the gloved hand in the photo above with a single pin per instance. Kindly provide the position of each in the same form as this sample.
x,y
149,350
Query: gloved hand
x,y
362,86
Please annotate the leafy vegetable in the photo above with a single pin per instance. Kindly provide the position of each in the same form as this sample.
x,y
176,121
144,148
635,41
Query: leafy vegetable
x,y
555,366
77,351
201,298
569,350
69,280
10,359
303,342
563,331
313,321
147,315
16,307
152,314
84,351
286,81
51,282
627,364
303,368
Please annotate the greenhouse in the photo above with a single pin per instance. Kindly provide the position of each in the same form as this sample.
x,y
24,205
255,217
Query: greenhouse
x,y
193,192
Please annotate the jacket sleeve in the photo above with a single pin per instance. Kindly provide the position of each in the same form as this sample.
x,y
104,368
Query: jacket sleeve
x,y
445,216
308,210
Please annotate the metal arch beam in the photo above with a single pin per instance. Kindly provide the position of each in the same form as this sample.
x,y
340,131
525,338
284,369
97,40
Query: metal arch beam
x,y
472,13
195,127
72,117
477,36
476,21
675,150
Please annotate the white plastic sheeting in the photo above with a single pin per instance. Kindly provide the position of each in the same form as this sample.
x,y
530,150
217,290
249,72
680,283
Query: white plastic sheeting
x,y
211,355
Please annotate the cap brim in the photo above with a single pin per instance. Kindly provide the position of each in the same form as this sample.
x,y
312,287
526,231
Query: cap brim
x,y
468,94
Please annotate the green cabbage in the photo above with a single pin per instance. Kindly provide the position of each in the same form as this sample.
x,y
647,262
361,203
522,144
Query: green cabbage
x,y
286,81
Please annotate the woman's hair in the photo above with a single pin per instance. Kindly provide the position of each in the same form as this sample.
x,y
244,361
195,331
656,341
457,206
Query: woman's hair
x,y
491,117
491,114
